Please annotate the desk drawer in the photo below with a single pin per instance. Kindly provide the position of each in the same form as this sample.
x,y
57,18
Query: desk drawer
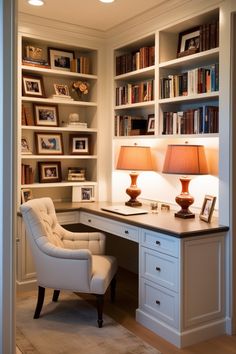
x,y
71,217
160,242
160,268
159,302
108,225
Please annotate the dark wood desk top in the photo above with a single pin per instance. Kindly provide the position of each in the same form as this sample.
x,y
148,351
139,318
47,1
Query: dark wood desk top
x,y
164,221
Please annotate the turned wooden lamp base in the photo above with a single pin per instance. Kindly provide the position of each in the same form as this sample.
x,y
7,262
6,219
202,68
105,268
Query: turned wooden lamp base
x,y
184,200
133,191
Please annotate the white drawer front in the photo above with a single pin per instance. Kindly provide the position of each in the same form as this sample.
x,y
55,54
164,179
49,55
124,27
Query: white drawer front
x,y
113,227
159,302
160,242
160,268
68,218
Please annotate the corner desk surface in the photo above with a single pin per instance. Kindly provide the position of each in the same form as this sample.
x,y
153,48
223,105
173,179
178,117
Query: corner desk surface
x,y
164,221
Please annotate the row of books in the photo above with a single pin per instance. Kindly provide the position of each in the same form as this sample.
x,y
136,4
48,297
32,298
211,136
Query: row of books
x,y
202,120
140,59
135,93
80,65
126,125
209,36
27,174
26,116
195,81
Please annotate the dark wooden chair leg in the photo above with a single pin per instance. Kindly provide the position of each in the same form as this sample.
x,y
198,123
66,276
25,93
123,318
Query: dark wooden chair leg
x,y
41,293
100,302
113,289
55,295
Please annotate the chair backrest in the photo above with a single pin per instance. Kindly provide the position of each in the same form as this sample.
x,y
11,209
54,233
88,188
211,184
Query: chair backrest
x,y
41,221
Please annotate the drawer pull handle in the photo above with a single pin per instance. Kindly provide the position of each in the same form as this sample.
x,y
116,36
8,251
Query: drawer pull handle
x,y
158,243
158,269
158,302
126,232
89,220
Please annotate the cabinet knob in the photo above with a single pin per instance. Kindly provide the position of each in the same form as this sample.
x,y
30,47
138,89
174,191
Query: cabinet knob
x,y
158,243
17,240
158,269
126,232
158,302
89,220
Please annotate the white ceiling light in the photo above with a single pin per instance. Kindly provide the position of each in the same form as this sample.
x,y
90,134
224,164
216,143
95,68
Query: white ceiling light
x,y
107,1
36,2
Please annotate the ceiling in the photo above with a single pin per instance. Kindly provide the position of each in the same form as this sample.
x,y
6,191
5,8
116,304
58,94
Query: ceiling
x,y
90,13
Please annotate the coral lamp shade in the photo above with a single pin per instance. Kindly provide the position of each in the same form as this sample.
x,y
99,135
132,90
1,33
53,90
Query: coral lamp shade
x,y
185,160
135,158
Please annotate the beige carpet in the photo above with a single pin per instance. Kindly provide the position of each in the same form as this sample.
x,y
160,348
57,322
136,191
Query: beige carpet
x,y
69,327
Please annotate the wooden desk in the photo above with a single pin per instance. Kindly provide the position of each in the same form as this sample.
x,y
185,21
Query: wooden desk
x,y
181,268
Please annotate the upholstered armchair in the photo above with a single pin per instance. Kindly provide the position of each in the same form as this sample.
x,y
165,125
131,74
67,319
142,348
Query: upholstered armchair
x,y
66,260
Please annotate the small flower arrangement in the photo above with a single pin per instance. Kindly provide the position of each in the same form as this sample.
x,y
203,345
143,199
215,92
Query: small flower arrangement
x,y
81,87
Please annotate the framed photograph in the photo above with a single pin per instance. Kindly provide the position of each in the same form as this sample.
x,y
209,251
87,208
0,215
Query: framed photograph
x,y
151,124
189,42
207,208
61,90
46,115
60,59
49,171
25,149
26,194
79,144
83,194
49,143
32,86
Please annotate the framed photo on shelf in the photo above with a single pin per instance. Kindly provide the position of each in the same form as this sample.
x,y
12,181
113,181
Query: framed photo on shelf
x,y
49,171
189,42
46,115
61,90
25,149
83,194
151,124
49,143
32,86
79,144
60,59
26,194
207,208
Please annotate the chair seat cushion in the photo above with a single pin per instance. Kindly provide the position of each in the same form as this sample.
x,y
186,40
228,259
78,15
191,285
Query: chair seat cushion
x,y
103,270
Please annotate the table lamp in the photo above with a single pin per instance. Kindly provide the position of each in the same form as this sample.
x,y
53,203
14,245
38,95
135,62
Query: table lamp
x,y
185,160
134,158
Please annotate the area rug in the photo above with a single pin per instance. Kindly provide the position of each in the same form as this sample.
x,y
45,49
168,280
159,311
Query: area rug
x,y
69,327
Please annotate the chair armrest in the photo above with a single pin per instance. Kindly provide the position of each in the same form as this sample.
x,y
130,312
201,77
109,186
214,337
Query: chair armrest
x,y
58,252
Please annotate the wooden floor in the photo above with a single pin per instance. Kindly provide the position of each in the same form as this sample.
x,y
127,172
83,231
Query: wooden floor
x,y
123,311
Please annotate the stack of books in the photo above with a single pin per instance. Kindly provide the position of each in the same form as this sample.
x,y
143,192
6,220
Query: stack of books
x,y
76,174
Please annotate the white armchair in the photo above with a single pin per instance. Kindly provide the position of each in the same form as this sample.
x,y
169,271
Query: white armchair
x,y
66,260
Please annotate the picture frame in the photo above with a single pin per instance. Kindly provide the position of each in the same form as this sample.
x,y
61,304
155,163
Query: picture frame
x,y
32,86
60,59
79,144
46,115
49,143
61,90
189,42
25,147
84,193
207,208
49,171
151,124
26,194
